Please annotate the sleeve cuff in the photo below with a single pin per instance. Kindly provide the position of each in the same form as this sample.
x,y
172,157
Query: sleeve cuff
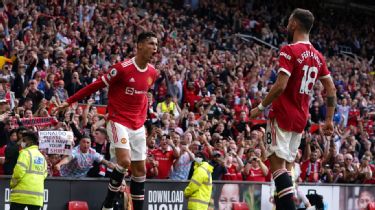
x,y
325,77
285,71
68,101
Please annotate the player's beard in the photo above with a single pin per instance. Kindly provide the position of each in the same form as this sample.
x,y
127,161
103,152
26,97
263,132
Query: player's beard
x,y
289,34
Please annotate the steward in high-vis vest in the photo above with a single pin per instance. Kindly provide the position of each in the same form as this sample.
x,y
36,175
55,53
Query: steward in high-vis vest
x,y
198,192
27,183
168,106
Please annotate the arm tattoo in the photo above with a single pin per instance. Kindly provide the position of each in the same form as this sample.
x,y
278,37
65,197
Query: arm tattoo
x,y
331,101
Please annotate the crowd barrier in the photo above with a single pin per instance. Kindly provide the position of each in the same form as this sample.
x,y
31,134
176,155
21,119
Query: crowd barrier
x,y
168,194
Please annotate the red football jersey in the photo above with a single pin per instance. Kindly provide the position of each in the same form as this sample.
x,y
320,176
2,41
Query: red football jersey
x,y
232,174
127,94
304,64
256,175
165,160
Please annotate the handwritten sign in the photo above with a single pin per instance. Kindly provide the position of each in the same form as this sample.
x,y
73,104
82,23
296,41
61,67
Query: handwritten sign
x,y
56,142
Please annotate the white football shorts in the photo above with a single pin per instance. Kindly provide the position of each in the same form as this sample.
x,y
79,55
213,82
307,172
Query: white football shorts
x,y
123,137
283,143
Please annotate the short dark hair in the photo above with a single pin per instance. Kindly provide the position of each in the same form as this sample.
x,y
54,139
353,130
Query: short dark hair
x,y
29,135
28,99
21,129
85,137
102,130
368,190
13,131
305,19
144,36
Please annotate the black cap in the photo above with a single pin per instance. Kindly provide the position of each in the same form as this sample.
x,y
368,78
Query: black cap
x,y
201,155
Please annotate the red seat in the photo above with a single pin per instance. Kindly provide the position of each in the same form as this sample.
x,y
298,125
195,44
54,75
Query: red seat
x,y
371,206
78,205
240,206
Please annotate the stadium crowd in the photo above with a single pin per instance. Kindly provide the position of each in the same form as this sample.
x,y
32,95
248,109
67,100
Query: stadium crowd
x,y
209,81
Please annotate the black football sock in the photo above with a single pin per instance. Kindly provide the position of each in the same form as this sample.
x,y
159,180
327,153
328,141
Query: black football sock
x,y
293,183
285,190
137,191
277,202
114,186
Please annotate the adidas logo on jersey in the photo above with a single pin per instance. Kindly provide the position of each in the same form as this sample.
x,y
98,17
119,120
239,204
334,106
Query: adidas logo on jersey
x,y
132,80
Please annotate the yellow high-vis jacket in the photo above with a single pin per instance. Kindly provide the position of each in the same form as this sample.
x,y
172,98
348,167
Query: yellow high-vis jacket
x,y
167,108
199,189
27,183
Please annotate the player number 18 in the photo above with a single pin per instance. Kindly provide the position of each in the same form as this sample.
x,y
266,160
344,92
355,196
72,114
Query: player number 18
x,y
308,80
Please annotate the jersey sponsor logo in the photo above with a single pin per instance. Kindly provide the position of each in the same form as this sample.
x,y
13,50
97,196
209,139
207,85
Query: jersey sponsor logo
x,y
161,158
288,57
129,90
149,80
132,91
132,80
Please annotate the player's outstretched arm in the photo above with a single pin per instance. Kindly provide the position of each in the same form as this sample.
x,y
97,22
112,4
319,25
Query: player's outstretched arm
x,y
329,86
276,90
81,94
62,107
86,91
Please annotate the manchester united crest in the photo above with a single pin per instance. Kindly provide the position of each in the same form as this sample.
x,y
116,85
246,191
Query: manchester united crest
x,y
149,81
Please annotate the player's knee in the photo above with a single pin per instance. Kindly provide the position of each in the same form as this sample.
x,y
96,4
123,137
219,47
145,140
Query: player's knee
x,y
124,162
139,171
276,163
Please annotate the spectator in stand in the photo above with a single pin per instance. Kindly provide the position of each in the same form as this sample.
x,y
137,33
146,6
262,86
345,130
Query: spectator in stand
x,y
234,165
371,164
75,85
152,166
21,81
343,112
339,159
364,170
165,156
32,92
11,152
337,174
81,160
168,106
241,107
61,93
101,146
52,160
182,165
218,163
351,170
326,174
187,120
255,170
27,104
310,168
